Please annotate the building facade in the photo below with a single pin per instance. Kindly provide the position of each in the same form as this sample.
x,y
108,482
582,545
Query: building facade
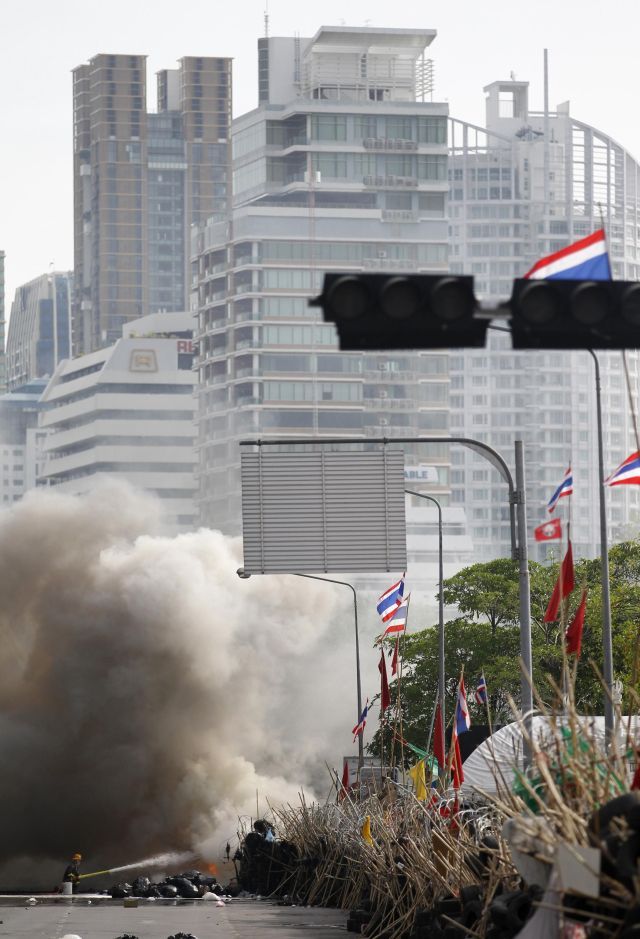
x,y
20,440
141,179
522,187
128,411
39,328
343,166
3,376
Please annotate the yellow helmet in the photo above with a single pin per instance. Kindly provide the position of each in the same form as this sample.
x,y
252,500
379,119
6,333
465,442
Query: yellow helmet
x,y
76,857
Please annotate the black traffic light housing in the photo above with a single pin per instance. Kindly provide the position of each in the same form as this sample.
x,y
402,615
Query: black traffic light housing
x,y
402,311
575,314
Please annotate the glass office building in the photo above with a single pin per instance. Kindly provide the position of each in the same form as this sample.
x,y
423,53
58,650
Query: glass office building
x,y
343,166
522,187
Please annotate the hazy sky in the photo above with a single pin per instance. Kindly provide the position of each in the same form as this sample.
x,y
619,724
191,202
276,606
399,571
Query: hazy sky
x,y
592,53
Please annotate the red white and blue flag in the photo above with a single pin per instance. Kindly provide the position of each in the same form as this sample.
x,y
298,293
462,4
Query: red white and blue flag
x,y
627,473
398,622
481,690
587,259
463,721
362,723
390,600
564,489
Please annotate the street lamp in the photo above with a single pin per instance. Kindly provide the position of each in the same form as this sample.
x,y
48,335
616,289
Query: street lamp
x,y
441,670
244,575
517,518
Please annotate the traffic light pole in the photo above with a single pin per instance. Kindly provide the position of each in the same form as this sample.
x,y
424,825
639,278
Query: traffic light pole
x,y
526,691
441,668
518,519
607,645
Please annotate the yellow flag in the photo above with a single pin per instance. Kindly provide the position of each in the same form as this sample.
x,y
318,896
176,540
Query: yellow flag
x,y
419,782
365,831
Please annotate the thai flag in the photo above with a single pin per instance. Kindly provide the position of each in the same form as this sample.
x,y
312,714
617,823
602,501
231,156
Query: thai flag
x,y
627,473
481,691
463,721
398,622
564,489
586,259
362,723
390,600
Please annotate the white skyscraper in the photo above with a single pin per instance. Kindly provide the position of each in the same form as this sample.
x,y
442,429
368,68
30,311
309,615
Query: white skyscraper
x,y
343,166
527,185
128,410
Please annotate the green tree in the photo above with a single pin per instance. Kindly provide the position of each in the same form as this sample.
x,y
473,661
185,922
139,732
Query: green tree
x,y
485,637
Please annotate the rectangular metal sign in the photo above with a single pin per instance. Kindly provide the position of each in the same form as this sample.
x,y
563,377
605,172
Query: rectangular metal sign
x,y
325,511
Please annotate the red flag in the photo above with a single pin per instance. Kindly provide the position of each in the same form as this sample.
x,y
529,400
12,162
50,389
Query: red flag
x,y
636,778
385,697
573,635
549,531
457,775
438,738
344,788
394,660
564,586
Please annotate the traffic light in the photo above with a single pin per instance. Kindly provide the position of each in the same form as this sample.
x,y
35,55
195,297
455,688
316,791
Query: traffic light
x,y
402,311
575,314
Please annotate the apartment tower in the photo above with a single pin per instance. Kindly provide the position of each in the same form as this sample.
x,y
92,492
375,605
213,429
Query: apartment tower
x,y
342,166
141,179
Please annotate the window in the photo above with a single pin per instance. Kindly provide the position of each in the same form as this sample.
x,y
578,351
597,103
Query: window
x,y
432,130
432,167
328,127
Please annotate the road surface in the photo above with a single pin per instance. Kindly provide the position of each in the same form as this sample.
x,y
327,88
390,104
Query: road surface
x,y
239,919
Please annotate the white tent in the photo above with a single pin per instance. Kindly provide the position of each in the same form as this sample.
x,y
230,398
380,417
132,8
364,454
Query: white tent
x,y
492,765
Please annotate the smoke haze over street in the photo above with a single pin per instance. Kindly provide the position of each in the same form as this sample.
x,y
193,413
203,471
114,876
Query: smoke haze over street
x,y
145,692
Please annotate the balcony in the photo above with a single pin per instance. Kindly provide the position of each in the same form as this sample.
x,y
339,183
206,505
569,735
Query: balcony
x,y
391,404
399,215
391,182
389,143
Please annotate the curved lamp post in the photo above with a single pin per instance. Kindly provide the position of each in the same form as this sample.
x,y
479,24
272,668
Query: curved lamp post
x,y
245,576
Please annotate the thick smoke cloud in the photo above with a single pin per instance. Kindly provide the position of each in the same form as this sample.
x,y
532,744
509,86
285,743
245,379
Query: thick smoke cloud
x,y
146,692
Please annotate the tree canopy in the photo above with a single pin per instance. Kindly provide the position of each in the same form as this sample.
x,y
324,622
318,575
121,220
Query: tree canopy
x,y
484,637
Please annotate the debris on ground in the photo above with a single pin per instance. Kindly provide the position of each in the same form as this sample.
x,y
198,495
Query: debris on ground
x,y
192,885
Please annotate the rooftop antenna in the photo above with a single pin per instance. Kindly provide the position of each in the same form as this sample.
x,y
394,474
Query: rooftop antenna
x,y
546,153
266,20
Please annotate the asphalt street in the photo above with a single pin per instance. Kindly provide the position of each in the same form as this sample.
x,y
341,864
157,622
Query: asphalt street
x,y
239,919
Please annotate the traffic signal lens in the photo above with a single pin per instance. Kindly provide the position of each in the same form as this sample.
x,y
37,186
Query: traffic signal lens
x,y
400,298
540,303
590,303
451,299
349,298
630,307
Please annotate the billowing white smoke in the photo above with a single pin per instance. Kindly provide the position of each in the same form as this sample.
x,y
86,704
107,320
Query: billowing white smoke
x,y
146,692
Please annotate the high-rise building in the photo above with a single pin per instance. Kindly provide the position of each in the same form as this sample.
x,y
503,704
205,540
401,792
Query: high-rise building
x,y
3,376
342,166
141,179
128,411
528,184
20,440
39,328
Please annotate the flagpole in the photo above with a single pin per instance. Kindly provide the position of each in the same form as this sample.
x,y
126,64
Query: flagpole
x,y
441,644
607,643
526,694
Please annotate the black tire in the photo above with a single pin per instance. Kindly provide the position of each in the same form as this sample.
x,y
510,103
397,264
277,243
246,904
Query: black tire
x,y
620,807
472,892
627,859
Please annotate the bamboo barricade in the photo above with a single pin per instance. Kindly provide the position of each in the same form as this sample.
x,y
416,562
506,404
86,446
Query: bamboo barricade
x,y
427,867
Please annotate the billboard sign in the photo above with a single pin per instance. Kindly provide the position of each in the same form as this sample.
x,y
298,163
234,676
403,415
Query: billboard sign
x,y
323,511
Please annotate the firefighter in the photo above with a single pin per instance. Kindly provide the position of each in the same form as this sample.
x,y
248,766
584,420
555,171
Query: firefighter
x,y
72,871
